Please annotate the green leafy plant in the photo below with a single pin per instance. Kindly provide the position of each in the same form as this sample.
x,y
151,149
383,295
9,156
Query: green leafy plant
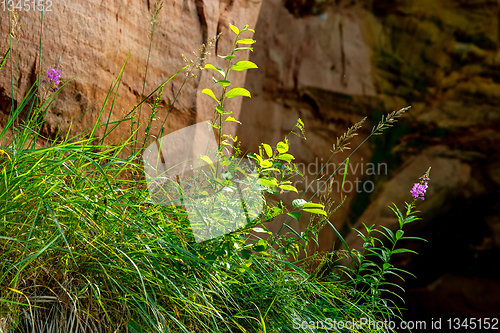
x,y
371,270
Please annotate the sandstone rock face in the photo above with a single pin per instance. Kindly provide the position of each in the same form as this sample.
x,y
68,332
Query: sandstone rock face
x,y
309,68
93,39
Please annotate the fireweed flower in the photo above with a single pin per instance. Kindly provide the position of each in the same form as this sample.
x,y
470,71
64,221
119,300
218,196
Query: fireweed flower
x,y
54,75
419,189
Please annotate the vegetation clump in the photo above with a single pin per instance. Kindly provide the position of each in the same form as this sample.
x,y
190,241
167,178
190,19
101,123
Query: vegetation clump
x,y
85,248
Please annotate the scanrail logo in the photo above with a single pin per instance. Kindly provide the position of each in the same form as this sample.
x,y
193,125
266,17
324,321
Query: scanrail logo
x,y
220,193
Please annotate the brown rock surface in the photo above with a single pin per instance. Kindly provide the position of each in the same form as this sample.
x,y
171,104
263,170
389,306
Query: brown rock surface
x,y
310,67
93,39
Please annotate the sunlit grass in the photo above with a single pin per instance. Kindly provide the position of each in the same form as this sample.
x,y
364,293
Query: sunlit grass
x,y
81,246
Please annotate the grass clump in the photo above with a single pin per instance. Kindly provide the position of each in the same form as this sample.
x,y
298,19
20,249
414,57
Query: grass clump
x,y
84,248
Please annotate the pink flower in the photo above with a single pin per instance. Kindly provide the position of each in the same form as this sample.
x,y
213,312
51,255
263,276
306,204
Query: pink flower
x,y
54,75
418,190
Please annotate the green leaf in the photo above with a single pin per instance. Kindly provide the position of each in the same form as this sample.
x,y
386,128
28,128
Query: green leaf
x,y
224,83
298,203
260,246
219,70
235,29
245,253
285,157
268,149
235,92
394,273
4,58
390,233
273,212
368,264
370,228
398,214
385,255
343,181
399,234
340,237
415,238
313,205
267,182
228,57
315,211
410,219
255,156
133,327
245,41
403,271
288,188
221,110
232,119
243,65
261,230
266,164
295,215
207,159
393,293
243,48
282,147
210,93
403,251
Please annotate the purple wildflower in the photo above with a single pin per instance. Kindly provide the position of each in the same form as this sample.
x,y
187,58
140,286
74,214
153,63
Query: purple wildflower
x,y
54,75
418,190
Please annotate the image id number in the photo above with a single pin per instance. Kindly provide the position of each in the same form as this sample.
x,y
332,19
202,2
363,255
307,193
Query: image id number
x,y
27,5
473,323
